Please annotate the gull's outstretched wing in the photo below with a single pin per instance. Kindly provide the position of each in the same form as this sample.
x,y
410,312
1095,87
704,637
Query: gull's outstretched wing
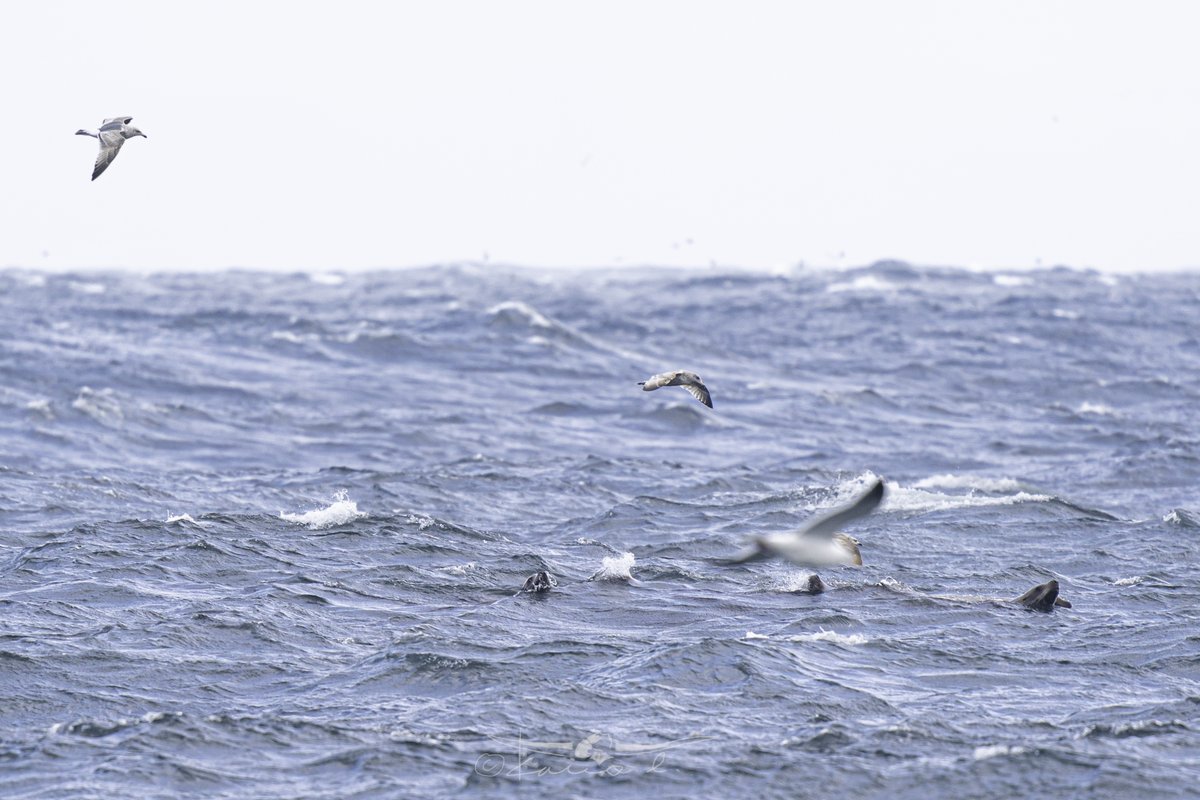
x,y
118,120
110,145
699,391
831,523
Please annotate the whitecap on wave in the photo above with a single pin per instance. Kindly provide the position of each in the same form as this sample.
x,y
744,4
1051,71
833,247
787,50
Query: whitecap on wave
x,y
974,482
900,498
459,569
421,521
99,404
862,283
294,338
817,636
514,312
87,287
1183,518
615,568
341,511
327,278
542,330
40,406
1097,409
996,750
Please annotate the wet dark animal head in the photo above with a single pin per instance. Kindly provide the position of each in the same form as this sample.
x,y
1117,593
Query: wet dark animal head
x,y
539,582
814,585
1043,597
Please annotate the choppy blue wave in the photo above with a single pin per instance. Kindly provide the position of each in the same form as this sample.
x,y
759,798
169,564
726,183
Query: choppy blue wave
x,y
262,534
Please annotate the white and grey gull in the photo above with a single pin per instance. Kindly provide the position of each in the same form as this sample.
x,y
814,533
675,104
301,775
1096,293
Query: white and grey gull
x,y
820,543
112,134
689,381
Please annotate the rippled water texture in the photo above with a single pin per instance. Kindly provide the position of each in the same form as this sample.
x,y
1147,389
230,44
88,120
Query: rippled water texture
x,y
262,535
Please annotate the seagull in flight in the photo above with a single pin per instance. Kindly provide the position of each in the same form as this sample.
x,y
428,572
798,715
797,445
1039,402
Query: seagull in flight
x,y
112,134
819,543
690,381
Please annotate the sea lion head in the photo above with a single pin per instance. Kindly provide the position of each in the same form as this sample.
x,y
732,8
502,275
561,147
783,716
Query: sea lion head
x,y
1043,597
539,582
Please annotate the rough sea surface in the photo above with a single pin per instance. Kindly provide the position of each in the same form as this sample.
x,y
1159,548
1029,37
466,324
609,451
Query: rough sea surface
x,y
262,535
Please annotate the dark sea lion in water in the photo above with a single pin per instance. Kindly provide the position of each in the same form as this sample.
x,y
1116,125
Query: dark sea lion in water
x,y
539,582
1043,597
814,585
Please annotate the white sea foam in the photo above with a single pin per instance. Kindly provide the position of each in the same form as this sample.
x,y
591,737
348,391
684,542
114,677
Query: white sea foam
x,y
87,287
327,278
340,512
101,405
1180,516
1062,313
899,498
995,750
1011,280
40,406
615,568
818,636
830,636
1099,409
1130,581
863,283
172,519
516,310
421,521
975,482
294,338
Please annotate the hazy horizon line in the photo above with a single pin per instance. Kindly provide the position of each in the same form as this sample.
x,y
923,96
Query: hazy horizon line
x,y
620,266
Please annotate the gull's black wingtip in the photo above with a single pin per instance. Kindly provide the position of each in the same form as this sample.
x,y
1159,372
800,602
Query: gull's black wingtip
x,y
877,489
869,500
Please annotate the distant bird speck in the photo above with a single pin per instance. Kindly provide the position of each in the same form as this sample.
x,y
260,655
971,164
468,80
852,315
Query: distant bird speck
x,y
112,134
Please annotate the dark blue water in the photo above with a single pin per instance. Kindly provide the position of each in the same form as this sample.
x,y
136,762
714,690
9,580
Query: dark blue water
x,y
261,535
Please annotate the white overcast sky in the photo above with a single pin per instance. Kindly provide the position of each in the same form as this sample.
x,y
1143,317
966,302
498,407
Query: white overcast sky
x,y
346,135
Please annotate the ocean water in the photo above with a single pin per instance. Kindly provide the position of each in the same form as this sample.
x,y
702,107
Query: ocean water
x,y
262,535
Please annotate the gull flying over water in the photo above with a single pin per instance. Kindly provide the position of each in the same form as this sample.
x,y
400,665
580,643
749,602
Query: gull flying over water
x,y
690,381
819,543
112,134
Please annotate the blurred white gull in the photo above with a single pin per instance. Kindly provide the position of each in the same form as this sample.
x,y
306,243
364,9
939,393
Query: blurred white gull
x,y
820,542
